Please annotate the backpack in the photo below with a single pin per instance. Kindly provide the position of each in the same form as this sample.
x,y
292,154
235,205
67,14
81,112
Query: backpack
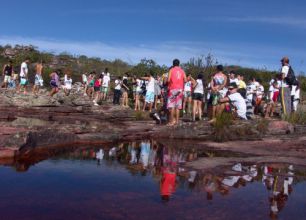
x,y
290,78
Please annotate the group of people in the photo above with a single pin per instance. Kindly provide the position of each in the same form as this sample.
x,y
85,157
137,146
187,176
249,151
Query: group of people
x,y
175,90
96,85
20,81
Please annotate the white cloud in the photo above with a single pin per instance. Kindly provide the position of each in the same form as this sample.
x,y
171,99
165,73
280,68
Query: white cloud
x,y
285,21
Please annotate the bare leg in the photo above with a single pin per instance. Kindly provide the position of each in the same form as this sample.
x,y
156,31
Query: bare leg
x,y
184,105
200,109
194,110
189,105
177,114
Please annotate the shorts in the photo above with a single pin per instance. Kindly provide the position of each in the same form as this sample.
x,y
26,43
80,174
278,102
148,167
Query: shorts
x,y
36,82
214,97
104,89
67,87
149,97
258,101
275,96
96,89
175,99
53,84
23,81
7,78
187,94
138,92
197,96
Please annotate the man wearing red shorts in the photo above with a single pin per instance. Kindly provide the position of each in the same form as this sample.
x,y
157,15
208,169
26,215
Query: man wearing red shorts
x,y
176,80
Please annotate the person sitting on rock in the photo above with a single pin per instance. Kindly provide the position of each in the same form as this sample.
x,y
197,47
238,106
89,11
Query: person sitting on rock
x,y
234,102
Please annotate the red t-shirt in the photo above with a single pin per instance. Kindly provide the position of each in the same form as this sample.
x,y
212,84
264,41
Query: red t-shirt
x,y
176,77
97,83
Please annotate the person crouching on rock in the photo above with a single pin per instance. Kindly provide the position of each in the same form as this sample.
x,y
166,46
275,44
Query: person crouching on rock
x,y
234,103
54,83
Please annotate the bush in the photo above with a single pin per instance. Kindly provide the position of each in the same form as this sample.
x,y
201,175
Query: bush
x,y
221,127
298,117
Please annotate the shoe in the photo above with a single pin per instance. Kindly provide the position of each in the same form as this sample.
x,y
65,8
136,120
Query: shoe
x,y
96,104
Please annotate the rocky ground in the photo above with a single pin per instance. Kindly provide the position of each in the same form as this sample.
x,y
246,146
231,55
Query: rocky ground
x,y
30,124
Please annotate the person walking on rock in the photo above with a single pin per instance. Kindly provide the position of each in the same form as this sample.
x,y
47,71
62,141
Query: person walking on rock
x,y
7,73
24,76
38,82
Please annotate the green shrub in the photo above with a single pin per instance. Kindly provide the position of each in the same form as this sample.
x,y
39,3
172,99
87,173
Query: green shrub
x,y
221,127
298,117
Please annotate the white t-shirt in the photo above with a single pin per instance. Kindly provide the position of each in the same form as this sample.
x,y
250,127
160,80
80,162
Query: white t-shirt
x,y
106,80
84,78
138,85
297,94
250,90
260,91
117,84
285,70
24,69
187,87
256,83
199,87
273,88
68,82
150,86
239,103
235,80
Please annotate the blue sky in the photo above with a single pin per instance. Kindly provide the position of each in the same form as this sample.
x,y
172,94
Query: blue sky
x,y
242,32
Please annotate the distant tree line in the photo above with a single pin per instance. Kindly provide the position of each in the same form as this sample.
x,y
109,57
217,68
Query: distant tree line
x,y
81,64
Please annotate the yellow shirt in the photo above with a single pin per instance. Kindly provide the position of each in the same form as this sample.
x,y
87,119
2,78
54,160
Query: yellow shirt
x,y
242,84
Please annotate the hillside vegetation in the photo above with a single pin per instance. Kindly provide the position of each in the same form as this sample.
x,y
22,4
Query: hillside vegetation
x,y
81,64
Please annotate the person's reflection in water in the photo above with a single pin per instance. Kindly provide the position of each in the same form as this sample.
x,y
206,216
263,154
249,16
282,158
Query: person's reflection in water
x,y
210,185
144,155
133,152
282,187
168,182
99,156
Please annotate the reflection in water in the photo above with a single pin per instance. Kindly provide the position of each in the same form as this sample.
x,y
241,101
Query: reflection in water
x,y
279,182
166,165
